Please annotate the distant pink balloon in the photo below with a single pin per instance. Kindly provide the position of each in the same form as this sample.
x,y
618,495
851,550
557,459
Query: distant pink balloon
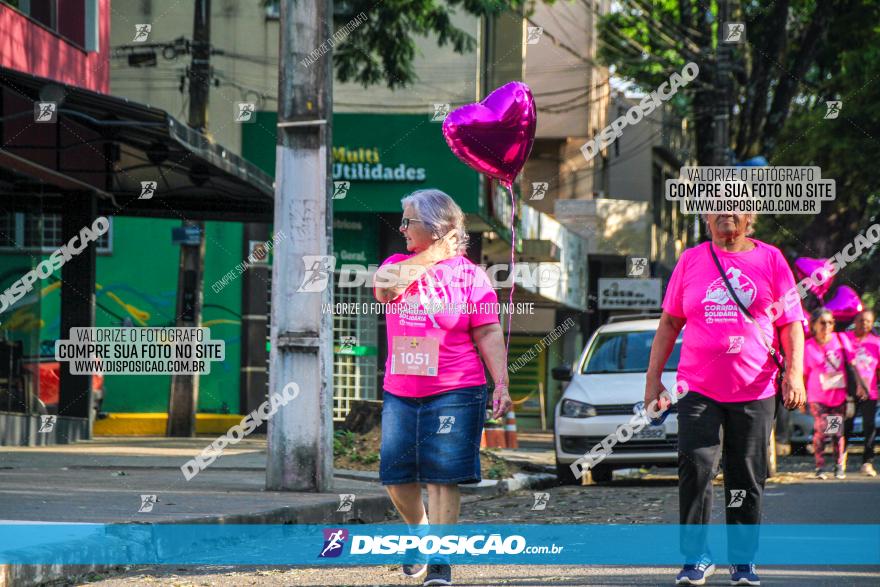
x,y
845,304
496,135
806,266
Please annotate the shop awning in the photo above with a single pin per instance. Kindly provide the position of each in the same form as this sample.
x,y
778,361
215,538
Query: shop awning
x,y
113,147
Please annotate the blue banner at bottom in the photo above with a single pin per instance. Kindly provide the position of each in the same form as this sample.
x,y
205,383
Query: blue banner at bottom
x,y
371,544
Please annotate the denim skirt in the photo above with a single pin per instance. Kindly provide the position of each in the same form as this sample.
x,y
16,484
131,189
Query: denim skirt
x,y
434,439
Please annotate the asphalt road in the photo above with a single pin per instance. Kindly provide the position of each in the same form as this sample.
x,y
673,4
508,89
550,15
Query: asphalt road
x,y
792,497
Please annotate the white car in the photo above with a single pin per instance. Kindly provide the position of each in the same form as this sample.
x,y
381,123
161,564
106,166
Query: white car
x,y
606,385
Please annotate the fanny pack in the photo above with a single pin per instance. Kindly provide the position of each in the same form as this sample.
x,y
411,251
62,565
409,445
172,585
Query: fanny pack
x,y
780,363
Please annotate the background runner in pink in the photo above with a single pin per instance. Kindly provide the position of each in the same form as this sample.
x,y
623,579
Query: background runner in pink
x,y
462,296
821,362
866,358
724,357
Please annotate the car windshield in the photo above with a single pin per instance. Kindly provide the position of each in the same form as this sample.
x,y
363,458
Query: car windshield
x,y
626,352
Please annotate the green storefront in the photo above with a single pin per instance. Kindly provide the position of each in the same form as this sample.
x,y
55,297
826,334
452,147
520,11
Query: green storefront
x,y
379,158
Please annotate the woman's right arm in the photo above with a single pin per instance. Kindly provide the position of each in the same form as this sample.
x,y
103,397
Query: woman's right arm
x,y
412,269
661,348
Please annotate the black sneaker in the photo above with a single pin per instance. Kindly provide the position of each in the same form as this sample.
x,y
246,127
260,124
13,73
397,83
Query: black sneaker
x,y
414,570
438,575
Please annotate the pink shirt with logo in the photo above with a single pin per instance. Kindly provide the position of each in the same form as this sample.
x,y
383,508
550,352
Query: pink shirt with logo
x,y
723,356
866,357
461,297
824,370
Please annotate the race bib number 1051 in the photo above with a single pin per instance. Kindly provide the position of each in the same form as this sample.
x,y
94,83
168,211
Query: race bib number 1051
x,y
414,355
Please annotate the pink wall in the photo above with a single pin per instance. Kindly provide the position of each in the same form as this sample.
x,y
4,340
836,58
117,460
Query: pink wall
x,y
27,46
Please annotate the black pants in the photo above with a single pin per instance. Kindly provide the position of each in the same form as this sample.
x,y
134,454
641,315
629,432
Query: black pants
x,y
867,408
746,436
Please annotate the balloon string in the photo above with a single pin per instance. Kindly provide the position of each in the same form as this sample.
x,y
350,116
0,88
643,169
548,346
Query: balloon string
x,y
512,264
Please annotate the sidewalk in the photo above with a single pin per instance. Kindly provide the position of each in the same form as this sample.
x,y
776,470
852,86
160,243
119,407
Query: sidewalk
x,y
101,481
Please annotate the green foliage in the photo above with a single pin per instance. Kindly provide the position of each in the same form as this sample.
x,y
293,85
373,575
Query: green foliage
x,y
799,54
382,49
847,150
343,442
345,445
791,44
496,471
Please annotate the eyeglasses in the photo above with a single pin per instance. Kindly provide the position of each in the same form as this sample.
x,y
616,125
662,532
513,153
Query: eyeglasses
x,y
828,322
404,224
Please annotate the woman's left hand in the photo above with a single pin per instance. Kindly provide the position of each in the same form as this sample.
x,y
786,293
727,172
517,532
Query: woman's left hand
x,y
501,402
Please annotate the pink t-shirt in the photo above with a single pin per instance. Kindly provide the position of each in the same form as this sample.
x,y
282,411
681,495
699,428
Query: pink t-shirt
x,y
824,370
722,356
866,357
461,298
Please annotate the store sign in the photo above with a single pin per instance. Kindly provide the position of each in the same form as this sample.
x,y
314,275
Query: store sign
x,y
629,294
382,157
364,164
355,239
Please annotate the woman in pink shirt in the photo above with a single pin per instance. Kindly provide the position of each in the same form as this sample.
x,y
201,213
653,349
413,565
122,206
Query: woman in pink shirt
x,y
730,374
441,318
825,379
866,360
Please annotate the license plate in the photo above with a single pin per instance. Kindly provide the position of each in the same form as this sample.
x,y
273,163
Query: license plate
x,y
650,433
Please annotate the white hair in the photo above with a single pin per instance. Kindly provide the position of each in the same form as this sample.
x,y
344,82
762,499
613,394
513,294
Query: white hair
x,y
439,213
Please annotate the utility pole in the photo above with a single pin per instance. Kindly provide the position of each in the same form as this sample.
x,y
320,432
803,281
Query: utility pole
x,y
184,394
721,118
300,436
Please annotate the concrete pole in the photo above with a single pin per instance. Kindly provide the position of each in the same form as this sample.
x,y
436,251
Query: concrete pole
x,y
300,433
184,395
724,86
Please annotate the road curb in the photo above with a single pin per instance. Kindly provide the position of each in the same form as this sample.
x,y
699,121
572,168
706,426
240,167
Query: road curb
x,y
365,510
519,481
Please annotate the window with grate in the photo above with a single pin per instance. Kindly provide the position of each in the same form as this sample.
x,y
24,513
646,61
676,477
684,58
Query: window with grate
x,y
39,233
355,350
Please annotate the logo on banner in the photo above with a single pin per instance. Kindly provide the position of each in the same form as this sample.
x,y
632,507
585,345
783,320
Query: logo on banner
x,y
147,503
446,423
735,344
737,497
47,423
334,540
340,189
317,272
346,500
45,112
833,424
539,190
148,190
734,32
832,109
541,501
637,266
719,306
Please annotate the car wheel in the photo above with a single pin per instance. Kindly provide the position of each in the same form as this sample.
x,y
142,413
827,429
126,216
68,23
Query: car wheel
x,y
798,448
602,473
565,476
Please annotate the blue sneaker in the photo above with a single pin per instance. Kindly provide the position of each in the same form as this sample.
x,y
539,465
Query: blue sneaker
x,y
695,574
744,575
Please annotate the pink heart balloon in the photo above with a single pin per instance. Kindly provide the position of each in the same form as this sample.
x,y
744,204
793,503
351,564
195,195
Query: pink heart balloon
x,y
496,135
845,304
806,266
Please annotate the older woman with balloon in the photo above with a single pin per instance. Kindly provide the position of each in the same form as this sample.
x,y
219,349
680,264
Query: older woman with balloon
x,y
435,389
